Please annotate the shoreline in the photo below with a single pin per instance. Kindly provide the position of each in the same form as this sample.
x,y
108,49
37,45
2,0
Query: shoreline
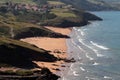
x,y
56,46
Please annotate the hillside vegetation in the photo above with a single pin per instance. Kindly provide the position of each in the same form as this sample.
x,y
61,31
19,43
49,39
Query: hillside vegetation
x,y
92,5
21,22
32,2
68,16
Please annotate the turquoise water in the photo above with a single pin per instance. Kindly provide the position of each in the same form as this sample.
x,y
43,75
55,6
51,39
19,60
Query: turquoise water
x,y
96,47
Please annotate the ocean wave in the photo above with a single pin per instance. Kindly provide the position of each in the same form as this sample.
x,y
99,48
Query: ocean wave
x,y
85,29
99,46
81,41
81,48
107,77
75,73
71,67
96,51
73,42
82,69
77,45
79,58
95,63
89,57
99,55
71,70
89,78
82,33
74,28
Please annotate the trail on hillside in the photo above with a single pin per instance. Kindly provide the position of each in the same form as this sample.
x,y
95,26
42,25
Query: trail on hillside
x,y
11,32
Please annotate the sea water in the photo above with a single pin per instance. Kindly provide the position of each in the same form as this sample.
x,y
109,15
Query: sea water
x,y
96,49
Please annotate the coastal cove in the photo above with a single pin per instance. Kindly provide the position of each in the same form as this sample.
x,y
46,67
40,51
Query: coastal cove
x,y
30,47
57,46
96,49
59,40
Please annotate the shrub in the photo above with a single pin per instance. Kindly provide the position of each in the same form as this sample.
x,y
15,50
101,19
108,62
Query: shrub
x,y
24,72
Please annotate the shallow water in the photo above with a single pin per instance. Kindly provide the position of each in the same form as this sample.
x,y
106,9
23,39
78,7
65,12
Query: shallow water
x,y
96,47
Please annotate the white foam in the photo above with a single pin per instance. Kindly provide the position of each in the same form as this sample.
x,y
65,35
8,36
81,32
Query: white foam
x,y
81,48
82,33
74,28
85,29
73,42
79,57
82,68
81,40
79,29
89,57
96,51
71,67
99,55
99,46
96,63
75,73
107,77
77,45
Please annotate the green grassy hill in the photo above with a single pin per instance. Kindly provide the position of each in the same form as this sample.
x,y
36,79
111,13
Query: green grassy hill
x,y
70,18
24,24
18,30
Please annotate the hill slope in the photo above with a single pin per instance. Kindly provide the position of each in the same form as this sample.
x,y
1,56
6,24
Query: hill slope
x,y
21,54
91,5
114,3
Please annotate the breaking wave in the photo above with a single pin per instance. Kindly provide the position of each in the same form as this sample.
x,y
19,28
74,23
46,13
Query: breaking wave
x,y
99,46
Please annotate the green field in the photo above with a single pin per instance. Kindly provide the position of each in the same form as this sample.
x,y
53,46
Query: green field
x,y
63,13
55,2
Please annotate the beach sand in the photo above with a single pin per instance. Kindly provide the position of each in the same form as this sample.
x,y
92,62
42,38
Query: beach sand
x,y
54,45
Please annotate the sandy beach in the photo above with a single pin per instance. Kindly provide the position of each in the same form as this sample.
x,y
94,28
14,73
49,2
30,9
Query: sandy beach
x,y
57,46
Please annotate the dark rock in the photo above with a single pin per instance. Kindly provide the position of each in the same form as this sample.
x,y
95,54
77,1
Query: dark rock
x,y
47,75
70,60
